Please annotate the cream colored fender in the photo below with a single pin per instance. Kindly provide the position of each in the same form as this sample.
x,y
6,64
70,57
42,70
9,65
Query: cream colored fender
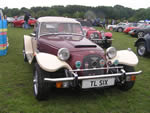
x,y
50,63
126,57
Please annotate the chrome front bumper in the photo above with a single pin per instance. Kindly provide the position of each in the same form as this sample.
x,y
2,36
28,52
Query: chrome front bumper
x,y
76,77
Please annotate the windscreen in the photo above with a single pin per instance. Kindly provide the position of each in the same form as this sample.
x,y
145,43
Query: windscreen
x,y
60,28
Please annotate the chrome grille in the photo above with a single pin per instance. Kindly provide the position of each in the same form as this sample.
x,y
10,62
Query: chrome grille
x,y
92,61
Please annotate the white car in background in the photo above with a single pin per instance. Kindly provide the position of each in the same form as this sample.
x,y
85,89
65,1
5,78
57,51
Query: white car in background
x,y
110,27
10,19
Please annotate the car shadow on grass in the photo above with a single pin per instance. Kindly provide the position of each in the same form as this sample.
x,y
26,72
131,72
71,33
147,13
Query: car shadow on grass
x,y
83,93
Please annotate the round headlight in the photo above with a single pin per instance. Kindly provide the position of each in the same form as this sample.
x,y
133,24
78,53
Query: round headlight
x,y
92,36
111,52
63,54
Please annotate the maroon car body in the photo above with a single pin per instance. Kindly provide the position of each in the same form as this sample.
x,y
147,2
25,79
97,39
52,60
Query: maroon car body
x,y
103,39
64,58
78,48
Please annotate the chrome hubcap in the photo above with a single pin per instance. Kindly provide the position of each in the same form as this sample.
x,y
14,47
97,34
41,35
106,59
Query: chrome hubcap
x,y
120,30
35,83
140,35
141,50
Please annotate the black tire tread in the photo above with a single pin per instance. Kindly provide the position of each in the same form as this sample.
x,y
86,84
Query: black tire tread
x,y
43,87
128,84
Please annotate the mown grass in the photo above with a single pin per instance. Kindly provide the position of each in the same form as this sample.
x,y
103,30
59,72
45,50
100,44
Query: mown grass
x,y
16,92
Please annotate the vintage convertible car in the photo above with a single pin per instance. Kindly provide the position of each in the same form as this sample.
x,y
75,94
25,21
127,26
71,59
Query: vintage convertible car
x,y
64,58
103,39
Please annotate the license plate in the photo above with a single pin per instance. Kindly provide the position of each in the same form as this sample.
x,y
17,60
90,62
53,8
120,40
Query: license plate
x,y
98,41
93,83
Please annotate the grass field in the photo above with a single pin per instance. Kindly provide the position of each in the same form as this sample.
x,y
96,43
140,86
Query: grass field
x,y
16,92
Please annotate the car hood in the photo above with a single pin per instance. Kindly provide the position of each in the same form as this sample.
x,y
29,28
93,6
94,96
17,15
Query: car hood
x,y
73,43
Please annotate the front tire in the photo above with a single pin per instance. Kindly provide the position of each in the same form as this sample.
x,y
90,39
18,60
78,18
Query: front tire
x,y
41,88
141,49
120,29
127,85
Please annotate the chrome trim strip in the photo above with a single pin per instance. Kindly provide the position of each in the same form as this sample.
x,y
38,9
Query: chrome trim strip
x,y
101,39
90,69
91,77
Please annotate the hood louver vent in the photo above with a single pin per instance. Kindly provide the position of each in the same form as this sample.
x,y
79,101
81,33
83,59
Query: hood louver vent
x,y
82,46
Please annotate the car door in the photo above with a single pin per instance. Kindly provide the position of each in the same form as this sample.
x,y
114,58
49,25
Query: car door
x,y
35,38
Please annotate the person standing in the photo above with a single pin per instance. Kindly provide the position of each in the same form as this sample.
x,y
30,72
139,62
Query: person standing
x,y
26,18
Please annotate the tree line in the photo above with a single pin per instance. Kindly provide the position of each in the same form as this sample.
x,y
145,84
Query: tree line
x,y
117,12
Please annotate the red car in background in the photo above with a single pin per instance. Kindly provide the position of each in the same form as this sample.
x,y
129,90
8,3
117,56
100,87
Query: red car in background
x,y
19,22
128,29
101,38
132,32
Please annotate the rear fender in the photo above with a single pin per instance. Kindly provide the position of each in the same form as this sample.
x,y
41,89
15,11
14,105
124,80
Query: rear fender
x,y
50,63
126,57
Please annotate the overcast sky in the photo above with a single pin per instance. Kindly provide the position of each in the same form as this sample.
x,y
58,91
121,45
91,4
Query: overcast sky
x,y
134,4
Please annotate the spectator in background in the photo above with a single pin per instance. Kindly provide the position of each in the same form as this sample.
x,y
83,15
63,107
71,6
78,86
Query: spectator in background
x,y
26,18
104,23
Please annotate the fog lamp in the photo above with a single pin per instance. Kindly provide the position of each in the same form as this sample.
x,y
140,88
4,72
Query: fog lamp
x,y
78,64
102,63
116,62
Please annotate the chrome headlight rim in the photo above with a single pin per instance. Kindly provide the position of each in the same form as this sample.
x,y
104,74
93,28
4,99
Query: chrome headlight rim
x,y
111,52
63,54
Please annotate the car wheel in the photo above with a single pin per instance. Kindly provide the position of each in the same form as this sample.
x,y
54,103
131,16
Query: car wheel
x,y
120,29
141,49
127,85
140,34
40,87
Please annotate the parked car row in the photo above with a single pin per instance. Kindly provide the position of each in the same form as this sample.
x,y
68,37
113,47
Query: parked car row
x,y
64,57
19,21
140,30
